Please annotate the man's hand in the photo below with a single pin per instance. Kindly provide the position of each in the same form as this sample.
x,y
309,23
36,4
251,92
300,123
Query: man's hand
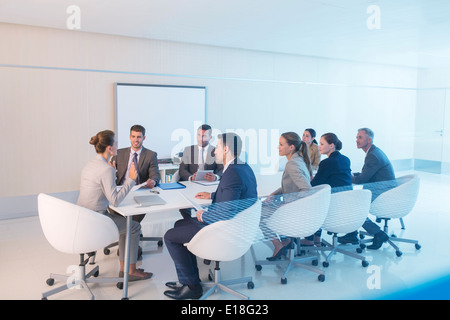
x,y
203,195
150,183
199,215
210,177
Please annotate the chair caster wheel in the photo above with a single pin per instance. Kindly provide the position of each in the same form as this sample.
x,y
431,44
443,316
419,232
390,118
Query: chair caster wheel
x,y
283,280
258,267
207,262
160,243
95,275
119,285
364,263
325,264
315,262
106,251
321,277
50,281
359,250
398,253
418,246
250,285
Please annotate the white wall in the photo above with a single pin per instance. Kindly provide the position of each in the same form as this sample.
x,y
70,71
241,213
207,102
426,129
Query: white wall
x,y
56,91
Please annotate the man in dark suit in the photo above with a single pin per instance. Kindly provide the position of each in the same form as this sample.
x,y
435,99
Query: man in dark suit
x,y
378,176
199,157
238,182
146,160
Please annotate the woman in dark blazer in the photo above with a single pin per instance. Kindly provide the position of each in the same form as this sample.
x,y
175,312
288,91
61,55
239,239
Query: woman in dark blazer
x,y
334,171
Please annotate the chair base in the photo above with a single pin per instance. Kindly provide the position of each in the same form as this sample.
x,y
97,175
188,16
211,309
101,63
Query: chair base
x,y
392,238
159,241
78,281
219,284
335,248
292,261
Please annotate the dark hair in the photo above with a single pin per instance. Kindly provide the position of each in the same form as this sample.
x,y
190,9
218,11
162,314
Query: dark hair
x,y
138,128
205,127
301,147
331,138
102,140
312,132
232,141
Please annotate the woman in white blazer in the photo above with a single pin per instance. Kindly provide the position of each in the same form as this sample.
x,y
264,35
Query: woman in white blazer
x,y
98,190
296,178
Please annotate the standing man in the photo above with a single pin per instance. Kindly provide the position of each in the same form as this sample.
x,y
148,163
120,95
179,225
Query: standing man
x,y
146,162
378,176
199,157
238,182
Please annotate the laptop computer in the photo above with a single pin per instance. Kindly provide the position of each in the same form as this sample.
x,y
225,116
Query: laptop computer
x,y
149,200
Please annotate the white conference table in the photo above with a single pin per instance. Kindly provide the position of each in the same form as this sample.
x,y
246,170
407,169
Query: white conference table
x,y
174,201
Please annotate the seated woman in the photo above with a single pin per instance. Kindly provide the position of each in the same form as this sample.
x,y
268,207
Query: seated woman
x,y
296,178
334,171
308,137
98,190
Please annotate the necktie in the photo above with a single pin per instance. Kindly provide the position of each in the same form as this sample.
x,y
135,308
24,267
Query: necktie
x,y
136,166
201,164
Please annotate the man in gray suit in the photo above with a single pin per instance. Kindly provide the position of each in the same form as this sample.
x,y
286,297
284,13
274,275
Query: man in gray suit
x,y
378,176
146,160
191,161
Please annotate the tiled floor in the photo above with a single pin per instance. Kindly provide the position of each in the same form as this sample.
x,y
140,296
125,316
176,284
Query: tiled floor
x,y
26,259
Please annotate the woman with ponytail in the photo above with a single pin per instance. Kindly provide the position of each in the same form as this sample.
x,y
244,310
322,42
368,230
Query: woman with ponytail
x,y
308,137
296,178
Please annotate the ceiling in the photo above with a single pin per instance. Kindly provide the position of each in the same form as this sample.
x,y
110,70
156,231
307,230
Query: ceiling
x,y
413,33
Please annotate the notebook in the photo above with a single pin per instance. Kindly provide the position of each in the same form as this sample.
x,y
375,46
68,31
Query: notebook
x,y
172,185
149,200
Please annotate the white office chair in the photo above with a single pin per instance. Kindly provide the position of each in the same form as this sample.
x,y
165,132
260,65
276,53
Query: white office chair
x,y
227,240
396,203
347,213
71,229
298,219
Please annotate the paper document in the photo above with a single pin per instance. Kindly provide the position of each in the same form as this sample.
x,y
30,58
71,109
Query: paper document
x,y
200,176
196,205
138,186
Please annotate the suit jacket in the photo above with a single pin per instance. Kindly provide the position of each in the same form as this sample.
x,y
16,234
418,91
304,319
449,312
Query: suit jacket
x,y
334,171
377,167
295,177
147,165
377,174
235,193
98,187
190,160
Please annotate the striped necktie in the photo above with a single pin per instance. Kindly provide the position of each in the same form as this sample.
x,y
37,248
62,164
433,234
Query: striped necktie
x,y
135,161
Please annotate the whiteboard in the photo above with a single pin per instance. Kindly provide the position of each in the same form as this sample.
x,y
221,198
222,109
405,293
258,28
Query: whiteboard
x,y
170,115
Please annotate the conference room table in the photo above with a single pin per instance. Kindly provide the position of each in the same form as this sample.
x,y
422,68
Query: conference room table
x,y
175,199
